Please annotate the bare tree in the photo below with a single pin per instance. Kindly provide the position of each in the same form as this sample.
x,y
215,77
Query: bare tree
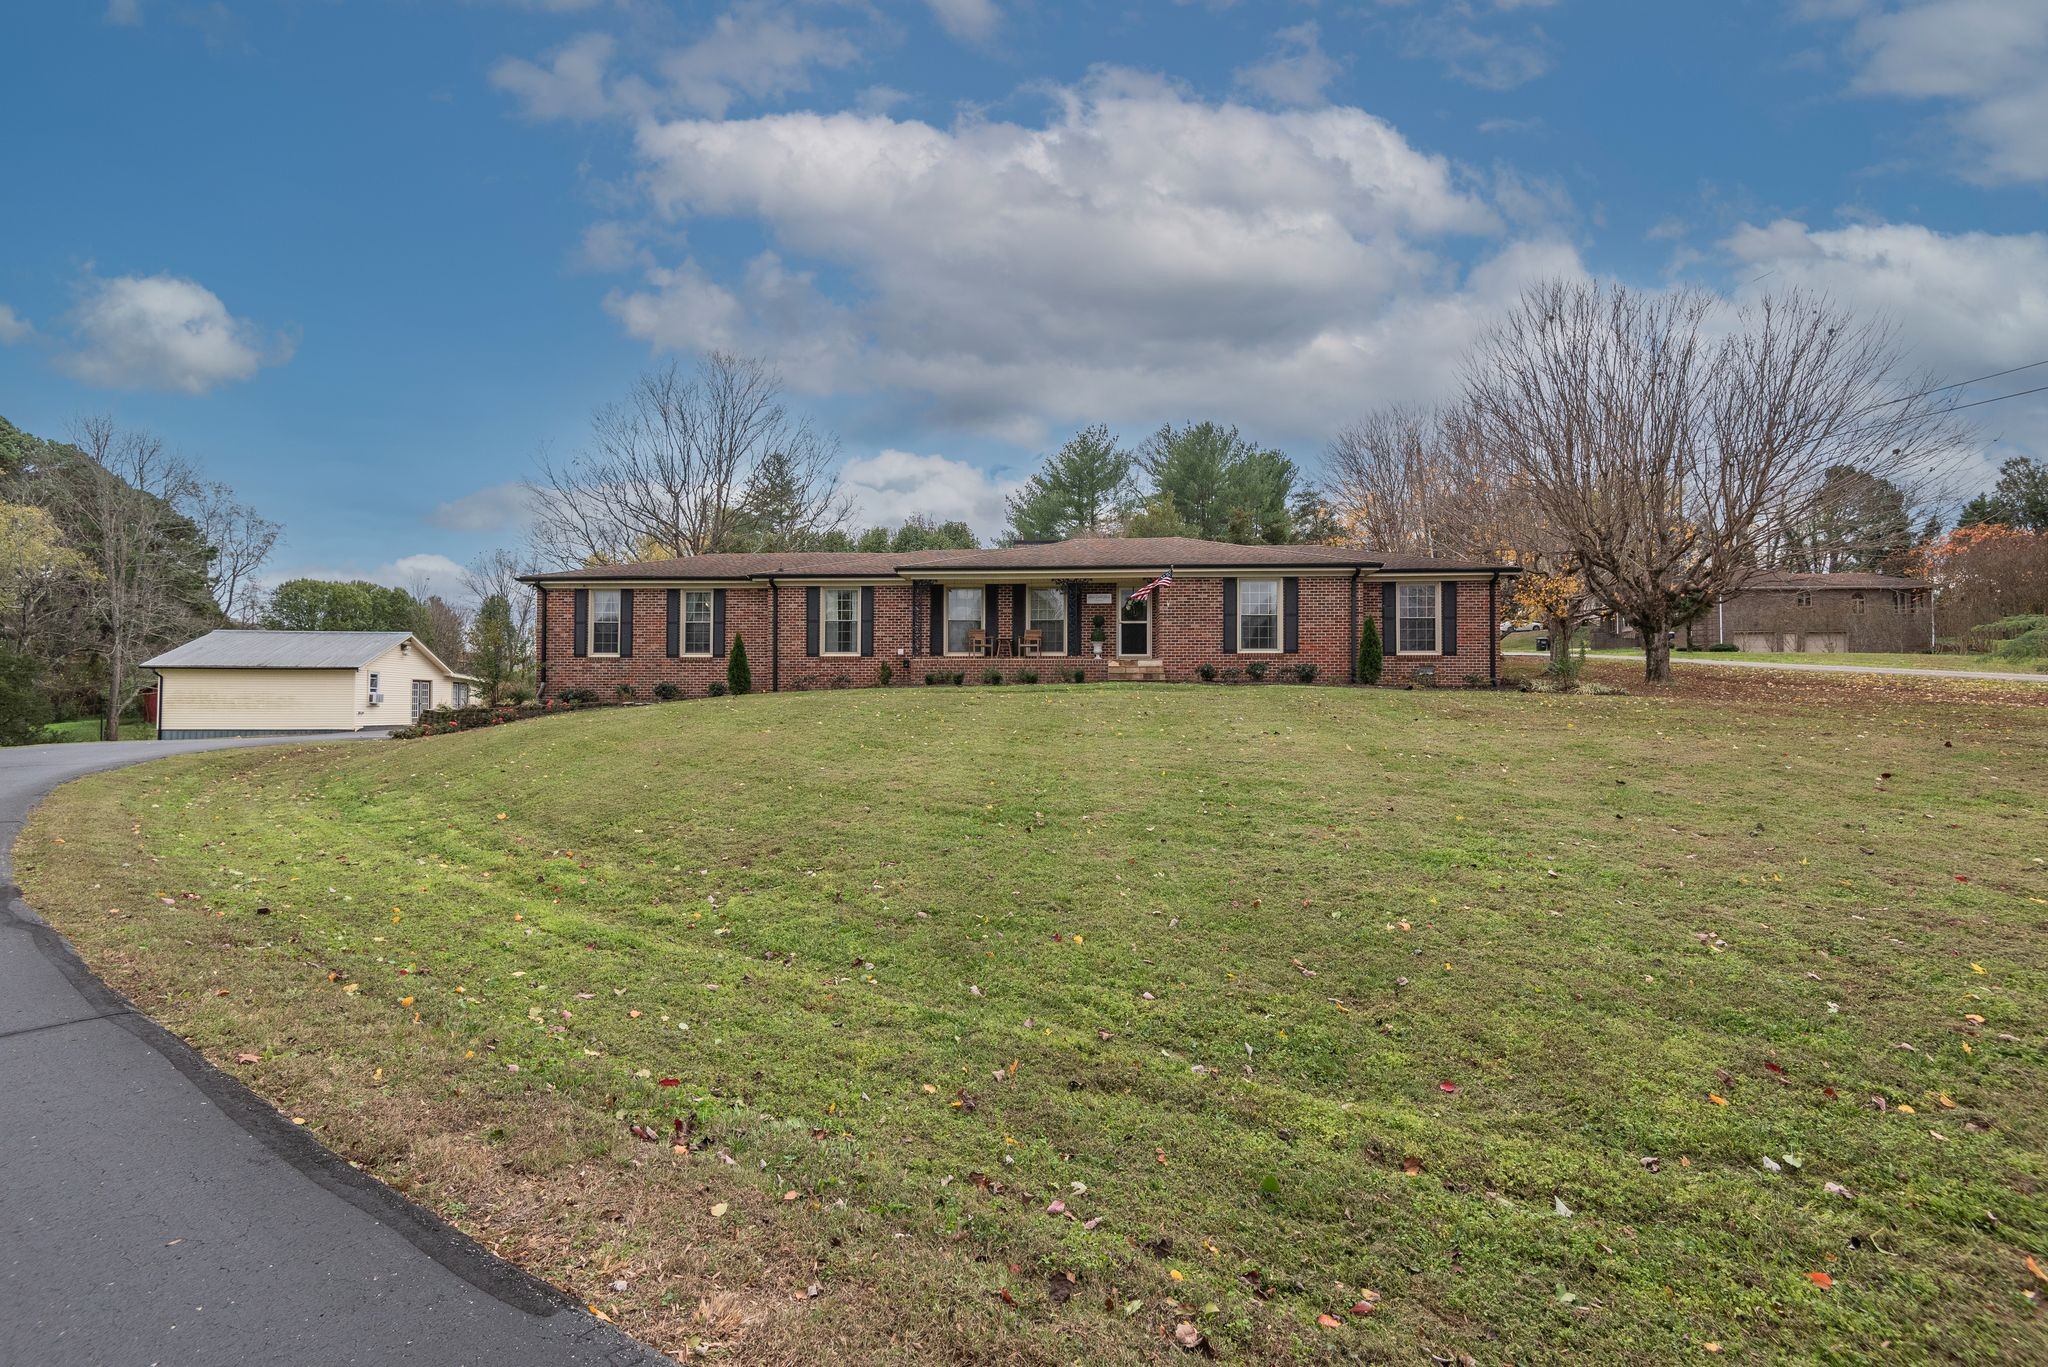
x,y
495,574
241,541
130,502
1669,438
669,471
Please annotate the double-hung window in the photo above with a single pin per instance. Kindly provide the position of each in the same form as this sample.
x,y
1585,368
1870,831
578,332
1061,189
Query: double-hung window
x,y
1415,625
839,614
963,614
1258,614
696,621
1046,614
604,621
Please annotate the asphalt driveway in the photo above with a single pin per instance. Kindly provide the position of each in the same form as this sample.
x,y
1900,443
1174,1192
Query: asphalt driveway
x,y
154,1211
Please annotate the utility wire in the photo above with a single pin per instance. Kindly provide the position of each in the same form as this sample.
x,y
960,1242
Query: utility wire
x,y
2032,365
1999,398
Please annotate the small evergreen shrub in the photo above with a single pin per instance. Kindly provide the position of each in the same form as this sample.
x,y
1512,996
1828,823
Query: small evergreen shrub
x,y
625,692
883,673
933,677
1723,645
716,690
739,680
1208,672
1256,669
577,697
991,676
1027,676
959,678
667,692
518,694
1372,657
1080,676
1305,671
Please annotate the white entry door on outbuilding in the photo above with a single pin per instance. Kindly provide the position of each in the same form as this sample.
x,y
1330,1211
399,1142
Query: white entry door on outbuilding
x,y
272,683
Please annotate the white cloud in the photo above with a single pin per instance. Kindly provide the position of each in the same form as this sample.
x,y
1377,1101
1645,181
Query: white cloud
x,y
487,510
892,485
1967,304
972,21
1987,58
754,50
1477,52
1139,250
570,86
1296,71
163,332
439,574
13,327
124,13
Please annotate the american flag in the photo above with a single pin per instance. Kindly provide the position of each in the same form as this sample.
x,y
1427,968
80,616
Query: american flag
x,y
1161,582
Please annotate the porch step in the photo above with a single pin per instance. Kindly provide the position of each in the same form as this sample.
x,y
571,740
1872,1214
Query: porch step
x,y
1136,671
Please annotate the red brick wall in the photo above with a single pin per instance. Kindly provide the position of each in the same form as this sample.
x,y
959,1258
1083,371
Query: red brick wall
x,y
1187,633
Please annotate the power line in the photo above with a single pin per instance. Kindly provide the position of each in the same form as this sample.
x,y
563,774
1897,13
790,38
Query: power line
x,y
2032,365
2037,389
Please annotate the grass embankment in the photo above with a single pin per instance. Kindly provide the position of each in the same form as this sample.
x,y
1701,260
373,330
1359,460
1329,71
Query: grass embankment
x,y
1292,999
1975,664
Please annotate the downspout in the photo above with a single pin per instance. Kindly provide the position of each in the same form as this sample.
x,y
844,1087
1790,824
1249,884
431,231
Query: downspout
x,y
1356,571
1720,621
163,693
774,636
1493,630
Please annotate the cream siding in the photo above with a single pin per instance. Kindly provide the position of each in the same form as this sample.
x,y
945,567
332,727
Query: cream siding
x,y
258,700
396,669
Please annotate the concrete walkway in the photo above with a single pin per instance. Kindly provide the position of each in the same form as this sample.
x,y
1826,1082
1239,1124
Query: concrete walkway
x,y
154,1211
1815,669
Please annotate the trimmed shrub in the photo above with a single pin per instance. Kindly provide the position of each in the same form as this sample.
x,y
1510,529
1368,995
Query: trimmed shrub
x,y
739,680
576,697
933,677
959,678
1027,676
1723,645
625,692
1208,672
883,673
667,692
716,690
518,693
1256,670
1080,676
991,676
1372,657
1305,671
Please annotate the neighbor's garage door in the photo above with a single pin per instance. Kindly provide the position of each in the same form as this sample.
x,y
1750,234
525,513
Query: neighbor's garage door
x,y
1827,642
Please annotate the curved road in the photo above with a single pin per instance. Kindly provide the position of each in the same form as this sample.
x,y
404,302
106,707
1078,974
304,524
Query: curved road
x,y
154,1211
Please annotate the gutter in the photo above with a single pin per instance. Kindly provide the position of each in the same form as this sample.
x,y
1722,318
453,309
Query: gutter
x,y
1493,630
1356,576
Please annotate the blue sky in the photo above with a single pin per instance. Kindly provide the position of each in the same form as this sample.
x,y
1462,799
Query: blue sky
x,y
364,259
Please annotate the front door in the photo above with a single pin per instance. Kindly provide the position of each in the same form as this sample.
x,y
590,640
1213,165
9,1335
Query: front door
x,y
422,697
1134,626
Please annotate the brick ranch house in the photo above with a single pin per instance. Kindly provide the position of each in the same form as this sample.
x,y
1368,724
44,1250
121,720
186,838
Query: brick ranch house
x,y
1781,610
832,619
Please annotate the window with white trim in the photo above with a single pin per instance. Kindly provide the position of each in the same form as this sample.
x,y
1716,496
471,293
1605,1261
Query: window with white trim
x,y
1415,619
604,621
839,621
375,687
1258,614
963,614
696,621
1046,614
461,693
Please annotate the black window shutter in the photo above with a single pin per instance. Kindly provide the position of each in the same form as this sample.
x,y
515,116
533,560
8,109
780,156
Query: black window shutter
x,y
811,620
938,619
718,623
625,624
1390,642
1448,600
1290,613
582,623
1074,646
990,596
675,623
1018,619
1230,617
867,620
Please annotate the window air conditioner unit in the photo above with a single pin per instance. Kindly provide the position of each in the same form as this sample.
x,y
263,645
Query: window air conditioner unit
x,y
376,698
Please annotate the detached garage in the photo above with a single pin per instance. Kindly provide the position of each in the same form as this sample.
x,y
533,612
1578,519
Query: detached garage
x,y
277,683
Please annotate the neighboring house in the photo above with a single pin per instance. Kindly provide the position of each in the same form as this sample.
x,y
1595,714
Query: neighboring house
x,y
1783,611
268,683
831,619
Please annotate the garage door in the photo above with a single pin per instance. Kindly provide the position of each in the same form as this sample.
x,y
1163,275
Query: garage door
x,y
1762,642
1827,642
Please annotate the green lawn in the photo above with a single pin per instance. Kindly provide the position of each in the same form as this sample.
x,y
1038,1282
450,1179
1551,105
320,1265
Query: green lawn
x,y
1292,999
88,728
1992,664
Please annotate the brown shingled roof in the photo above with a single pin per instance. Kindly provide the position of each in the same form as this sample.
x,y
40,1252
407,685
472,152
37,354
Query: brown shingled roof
x,y
1076,554
1772,581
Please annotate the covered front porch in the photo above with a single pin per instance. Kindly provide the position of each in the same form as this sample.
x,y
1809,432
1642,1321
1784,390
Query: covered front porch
x,y
1108,627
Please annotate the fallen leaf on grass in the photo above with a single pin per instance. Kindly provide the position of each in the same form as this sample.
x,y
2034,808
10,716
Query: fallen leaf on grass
x,y
2036,1268
670,1082
720,1208
1411,1166
246,1057
1821,1279
1329,1321
1447,1086
1717,1100
1187,1335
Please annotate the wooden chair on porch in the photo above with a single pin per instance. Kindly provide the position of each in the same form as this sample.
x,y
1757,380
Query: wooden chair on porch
x,y
977,642
1031,644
